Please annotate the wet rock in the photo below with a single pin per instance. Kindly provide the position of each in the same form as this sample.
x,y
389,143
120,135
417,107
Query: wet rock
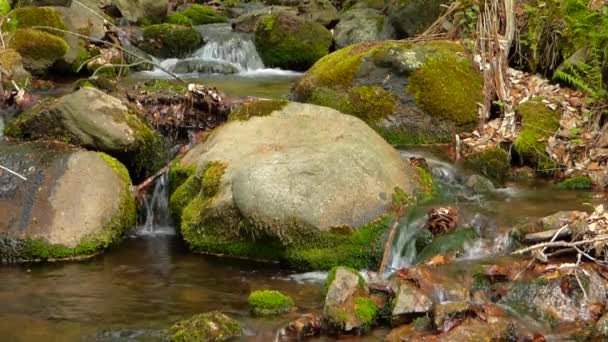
x,y
493,163
205,67
289,42
410,18
409,302
73,204
448,315
358,26
478,330
410,332
318,11
269,303
136,10
170,41
335,193
305,326
347,306
480,184
12,62
450,243
95,120
212,326
367,80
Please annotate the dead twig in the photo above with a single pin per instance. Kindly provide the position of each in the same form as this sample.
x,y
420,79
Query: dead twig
x,y
13,172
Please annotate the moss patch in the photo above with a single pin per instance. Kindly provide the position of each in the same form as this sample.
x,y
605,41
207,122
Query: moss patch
x,y
168,41
27,17
38,49
201,15
211,326
269,303
331,276
448,87
212,177
576,183
5,7
538,124
366,312
289,42
256,108
493,163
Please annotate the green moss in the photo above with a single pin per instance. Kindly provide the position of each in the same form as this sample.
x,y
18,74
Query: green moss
x,y
212,177
331,276
576,183
38,49
448,243
422,324
202,15
369,103
289,42
124,219
448,87
27,17
179,19
269,303
211,326
493,163
429,188
5,7
167,41
366,311
149,153
184,194
256,108
538,124
178,174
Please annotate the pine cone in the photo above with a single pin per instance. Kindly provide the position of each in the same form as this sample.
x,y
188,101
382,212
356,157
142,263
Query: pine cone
x,y
441,220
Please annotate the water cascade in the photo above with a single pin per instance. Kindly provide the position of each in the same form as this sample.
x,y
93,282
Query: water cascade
x,y
156,206
225,45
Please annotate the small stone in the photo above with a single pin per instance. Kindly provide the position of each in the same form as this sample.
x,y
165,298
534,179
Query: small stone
x,y
305,326
410,302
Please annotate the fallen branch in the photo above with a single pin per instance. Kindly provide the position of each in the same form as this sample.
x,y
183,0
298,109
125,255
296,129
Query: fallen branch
x,y
387,246
561,244
13,172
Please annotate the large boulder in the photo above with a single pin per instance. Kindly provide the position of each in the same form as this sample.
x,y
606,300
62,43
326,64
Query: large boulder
x,y
248,21
196,14
359,25
409,92
319,11
170,41
136,10
40,50
295,182
92,119
289,42
74,203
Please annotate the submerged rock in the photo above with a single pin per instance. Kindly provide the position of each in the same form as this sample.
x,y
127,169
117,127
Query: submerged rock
x,y
306,187
269,303
205,67
74,203
442,89
95,120
212,327
289,42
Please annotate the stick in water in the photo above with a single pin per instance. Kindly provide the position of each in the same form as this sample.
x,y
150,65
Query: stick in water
x,y
12,172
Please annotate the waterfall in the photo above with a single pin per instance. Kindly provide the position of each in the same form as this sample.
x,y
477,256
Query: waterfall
x,y
225,45
156,206
403,250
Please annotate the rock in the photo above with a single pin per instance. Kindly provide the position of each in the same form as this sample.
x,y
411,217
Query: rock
x,y
601,327
318,11
288,191
347,306
480,184
12,62
269,303
40,3
305,326
409,302
204,67
447,314
538,124
248,21
367,80
289,42
40,50
478,330
357,26
95,120
27,17
106,57
417,331
493,163
410,18
136,10
196,14
45,217
212,326
558,299
170,41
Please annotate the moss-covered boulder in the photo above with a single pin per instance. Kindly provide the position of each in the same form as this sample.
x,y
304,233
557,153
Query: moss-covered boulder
x,y
538,124
12,62
27,17
209,327
289,42
196,14
73,204
311,187
249,20
95,120
40,50
493,163
269,303
168,41
409,93
140,10
348,307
